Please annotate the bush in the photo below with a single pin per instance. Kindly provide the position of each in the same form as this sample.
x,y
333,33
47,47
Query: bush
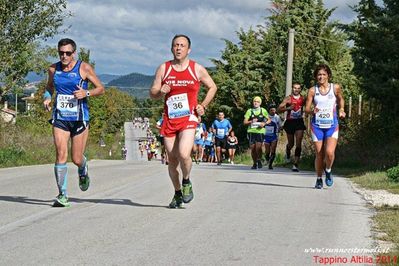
x,y
10,155
393,173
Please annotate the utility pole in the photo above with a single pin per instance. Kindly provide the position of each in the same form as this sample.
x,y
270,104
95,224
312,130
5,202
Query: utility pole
x,y
290,62
16,104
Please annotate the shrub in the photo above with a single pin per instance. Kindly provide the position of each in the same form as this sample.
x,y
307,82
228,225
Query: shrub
x,y
393,173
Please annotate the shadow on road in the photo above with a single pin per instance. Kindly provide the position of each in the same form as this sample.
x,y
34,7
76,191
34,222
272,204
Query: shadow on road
x,y
27,200
262,184
116,202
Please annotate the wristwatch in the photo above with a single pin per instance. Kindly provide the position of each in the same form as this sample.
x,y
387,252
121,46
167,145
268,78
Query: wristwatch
x,y
87,93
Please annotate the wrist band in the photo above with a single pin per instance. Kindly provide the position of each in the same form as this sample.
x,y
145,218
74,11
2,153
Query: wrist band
x,y
47,95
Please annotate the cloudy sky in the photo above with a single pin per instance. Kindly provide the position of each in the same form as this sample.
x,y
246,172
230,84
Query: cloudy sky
x,y
126,36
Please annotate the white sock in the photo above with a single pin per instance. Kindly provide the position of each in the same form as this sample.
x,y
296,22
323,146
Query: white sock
x,y
328,170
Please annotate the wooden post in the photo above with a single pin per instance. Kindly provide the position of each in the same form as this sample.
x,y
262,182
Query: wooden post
x,y
290,62
350,107
360,108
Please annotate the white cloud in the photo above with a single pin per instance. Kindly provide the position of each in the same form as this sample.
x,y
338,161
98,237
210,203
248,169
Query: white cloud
x,y
134,35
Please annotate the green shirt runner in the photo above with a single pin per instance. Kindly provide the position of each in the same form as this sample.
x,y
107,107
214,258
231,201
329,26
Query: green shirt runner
x,y
260,113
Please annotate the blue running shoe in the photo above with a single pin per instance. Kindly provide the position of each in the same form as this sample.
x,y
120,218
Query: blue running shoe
x,y
319,183
329,179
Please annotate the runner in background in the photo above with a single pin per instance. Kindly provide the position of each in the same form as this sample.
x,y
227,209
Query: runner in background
x,y
256,119
294,125
232,145
164,155
198,147
271,135
221,127
209,145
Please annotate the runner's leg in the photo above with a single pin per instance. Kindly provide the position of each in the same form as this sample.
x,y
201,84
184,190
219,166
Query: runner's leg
x,y
171,146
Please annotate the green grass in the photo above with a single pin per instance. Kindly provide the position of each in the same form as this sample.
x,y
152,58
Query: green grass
x,y
30,142
243,158
375,181
386,220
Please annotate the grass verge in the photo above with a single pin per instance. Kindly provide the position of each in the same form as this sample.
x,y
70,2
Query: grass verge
x,y
375,181
386,221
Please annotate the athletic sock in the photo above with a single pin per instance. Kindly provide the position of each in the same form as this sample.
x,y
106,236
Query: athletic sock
x,y
287,153
82,167
61,176
272,159
328,170
186,181
178,193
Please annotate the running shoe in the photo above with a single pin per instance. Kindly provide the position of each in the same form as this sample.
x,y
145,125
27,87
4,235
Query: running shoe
x,y
319,183
255,166
187,191
329,179
231,162
270,167
84,179
177,202
61,201
295,168
260,164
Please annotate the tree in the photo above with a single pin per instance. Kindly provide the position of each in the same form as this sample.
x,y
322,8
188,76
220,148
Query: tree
x,y
376,37
22,24
256,65
110,111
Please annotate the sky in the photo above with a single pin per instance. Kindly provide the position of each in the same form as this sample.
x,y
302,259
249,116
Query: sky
x,y
126,36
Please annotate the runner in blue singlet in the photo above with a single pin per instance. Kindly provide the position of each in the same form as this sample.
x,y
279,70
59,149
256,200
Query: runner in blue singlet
x,y
69,78
221,128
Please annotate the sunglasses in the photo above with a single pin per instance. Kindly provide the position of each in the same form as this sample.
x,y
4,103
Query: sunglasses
x,y
67,53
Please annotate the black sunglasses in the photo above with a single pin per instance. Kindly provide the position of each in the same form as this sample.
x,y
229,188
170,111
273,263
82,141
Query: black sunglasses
x,y
68,53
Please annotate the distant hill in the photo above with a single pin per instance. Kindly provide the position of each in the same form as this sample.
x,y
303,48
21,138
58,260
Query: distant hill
x,y
33,77
135,84
139,93
105,78
133,80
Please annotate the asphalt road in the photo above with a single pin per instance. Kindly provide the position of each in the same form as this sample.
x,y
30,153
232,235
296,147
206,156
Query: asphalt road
x,y
132,137
238,217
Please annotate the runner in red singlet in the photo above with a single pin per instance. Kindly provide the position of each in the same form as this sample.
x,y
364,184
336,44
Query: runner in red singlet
x,y
179,82
294,125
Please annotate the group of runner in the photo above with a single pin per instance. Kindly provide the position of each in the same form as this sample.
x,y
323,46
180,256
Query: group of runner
x,y
218,140
178,82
